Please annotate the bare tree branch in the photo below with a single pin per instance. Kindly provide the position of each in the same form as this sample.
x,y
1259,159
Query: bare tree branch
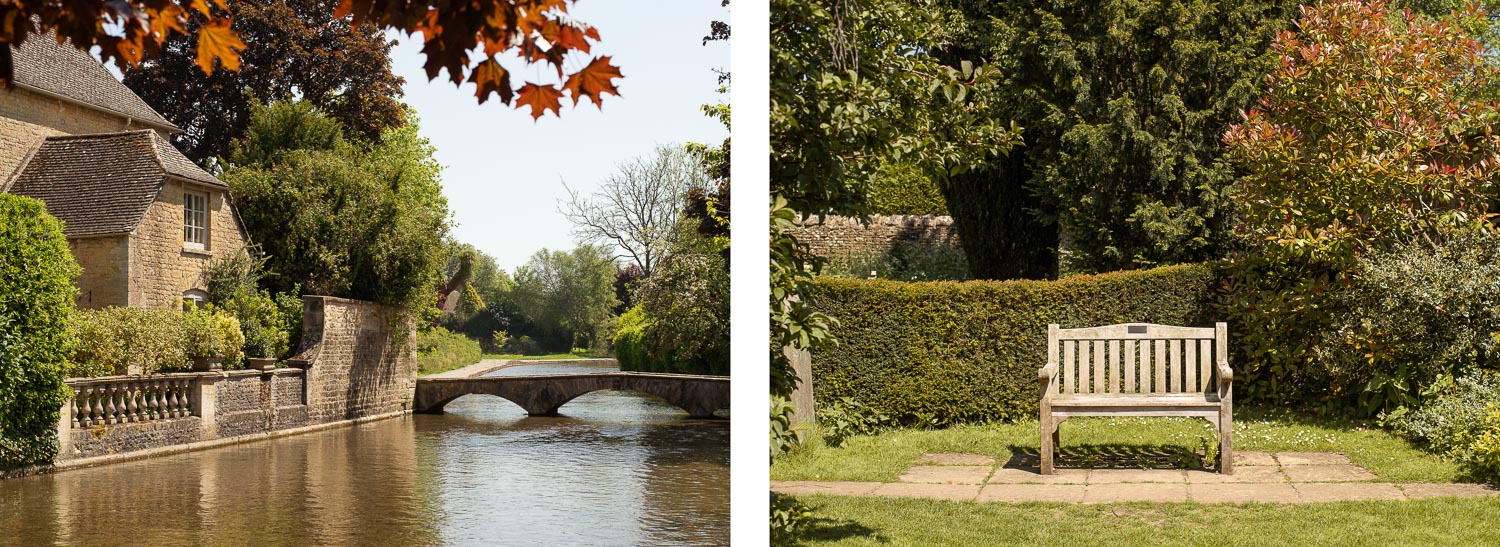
x,y
636,208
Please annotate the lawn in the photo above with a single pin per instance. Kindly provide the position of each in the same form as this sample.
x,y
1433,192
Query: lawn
x,y
1183,442
1154,441
444,362
872,521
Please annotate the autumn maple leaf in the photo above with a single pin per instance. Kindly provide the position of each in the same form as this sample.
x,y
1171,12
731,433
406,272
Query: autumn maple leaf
x,y
594,81
540,98
489,77
217,41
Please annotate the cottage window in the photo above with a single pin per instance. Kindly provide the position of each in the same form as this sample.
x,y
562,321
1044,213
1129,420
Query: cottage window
x,y
195,220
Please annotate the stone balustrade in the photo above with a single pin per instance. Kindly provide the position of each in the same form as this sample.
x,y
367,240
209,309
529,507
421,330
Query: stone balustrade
x,y
131,399
351,365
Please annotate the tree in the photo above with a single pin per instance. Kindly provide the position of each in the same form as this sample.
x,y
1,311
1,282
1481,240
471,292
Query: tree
x,y
568,297
1378,133
341,218
1376,130
636,208
1123,104
294,48
538,32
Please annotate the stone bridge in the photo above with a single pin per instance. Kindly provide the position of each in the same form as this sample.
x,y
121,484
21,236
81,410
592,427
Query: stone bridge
x,y
541,395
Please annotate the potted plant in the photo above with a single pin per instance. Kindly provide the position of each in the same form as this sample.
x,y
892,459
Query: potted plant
x,y
201,341
263,343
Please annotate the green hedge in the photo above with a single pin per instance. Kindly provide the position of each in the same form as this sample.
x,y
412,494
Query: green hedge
x,y
36,300
938,353
442,350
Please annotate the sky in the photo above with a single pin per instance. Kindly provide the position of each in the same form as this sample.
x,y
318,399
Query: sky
x,y
504,173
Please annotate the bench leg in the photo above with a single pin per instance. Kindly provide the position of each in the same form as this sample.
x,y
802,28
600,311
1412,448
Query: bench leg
x,y
1057,439
1226,444
1049,437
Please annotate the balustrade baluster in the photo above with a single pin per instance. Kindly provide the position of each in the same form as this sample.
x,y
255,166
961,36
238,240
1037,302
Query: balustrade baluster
x,y
80,412
176,399
132,389
96,407
161,399
109,404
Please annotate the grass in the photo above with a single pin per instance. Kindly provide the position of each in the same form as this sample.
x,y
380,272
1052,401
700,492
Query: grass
x,y
575,354
1180,442
870,521
1150,441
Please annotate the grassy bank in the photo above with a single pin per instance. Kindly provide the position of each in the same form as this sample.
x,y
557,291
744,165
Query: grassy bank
x,y
1180,441
883,521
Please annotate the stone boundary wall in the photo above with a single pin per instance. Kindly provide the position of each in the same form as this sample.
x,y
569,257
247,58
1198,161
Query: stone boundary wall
x,y
847,237
357,360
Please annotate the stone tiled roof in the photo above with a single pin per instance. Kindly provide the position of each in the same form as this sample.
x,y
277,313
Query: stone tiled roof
x,y
104,183
61,69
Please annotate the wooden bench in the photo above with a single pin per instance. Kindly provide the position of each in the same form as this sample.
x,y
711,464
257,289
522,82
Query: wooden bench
x,y
1137,369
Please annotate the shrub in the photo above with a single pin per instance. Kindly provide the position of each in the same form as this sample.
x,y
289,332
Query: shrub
x,y
937,353
630,348
685,303
847,418
120,340
36,300
1454,408
439,350
1484,462
209,332
266,323
523,345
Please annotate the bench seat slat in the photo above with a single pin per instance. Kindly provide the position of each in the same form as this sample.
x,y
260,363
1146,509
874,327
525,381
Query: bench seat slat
x,y
1210,400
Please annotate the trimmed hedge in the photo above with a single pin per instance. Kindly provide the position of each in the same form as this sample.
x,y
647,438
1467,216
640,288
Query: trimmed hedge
x,y
36,300
939,353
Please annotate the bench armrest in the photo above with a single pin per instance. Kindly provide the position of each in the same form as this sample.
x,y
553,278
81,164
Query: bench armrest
x,y
1045,374
1226,375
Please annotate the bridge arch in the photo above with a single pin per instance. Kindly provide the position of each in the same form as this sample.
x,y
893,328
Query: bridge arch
x,y
542,395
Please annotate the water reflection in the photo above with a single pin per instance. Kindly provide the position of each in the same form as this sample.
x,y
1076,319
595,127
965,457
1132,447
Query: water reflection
x,y
616,468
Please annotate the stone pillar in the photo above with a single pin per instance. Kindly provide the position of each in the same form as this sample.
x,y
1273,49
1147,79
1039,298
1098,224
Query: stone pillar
x,y
803,396
65,430
205,393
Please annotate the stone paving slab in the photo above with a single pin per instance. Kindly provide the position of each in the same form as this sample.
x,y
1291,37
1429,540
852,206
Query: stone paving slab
x,y
946,474
1419,490
1327,473
1252,458
1014,475
958,492
822,487
1067,493
1284,492
1242,493
1124,492
1246,474
1311,458
953,458
1116,476
1343,491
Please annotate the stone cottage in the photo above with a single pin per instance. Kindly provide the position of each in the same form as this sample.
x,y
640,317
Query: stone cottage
x,y
142,220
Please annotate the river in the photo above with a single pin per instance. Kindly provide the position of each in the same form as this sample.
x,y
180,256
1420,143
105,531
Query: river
x,y
615,469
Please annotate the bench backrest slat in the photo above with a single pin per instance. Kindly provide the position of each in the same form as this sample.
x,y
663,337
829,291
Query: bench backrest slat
x,y
1136,358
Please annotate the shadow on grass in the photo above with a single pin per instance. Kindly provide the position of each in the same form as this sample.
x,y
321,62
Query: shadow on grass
x,y
819,529
1113,456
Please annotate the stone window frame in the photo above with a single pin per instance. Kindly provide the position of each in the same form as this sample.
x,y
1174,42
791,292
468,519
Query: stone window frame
x,y
189,229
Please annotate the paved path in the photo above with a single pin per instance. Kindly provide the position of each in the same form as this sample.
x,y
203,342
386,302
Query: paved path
x,y
1283,477
490,365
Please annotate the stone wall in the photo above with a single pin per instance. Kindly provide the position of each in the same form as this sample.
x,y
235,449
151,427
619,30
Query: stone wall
x,y
27,117
105,278
846,237
363,356
163,268
356,361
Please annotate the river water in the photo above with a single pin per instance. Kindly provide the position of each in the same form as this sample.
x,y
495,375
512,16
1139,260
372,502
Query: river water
x,y
615,469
